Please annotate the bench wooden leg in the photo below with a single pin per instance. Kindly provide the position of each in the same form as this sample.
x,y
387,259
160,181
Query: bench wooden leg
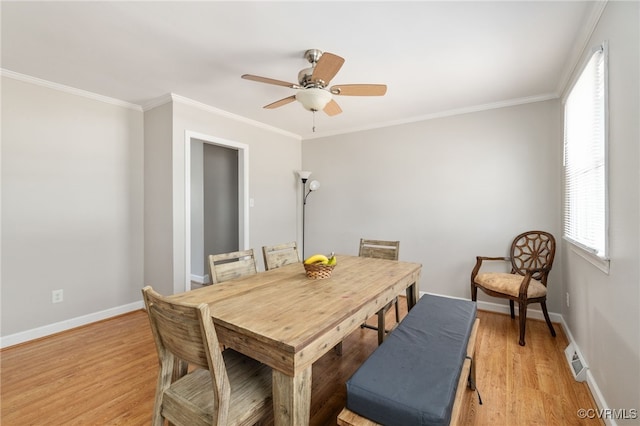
x,y
349,418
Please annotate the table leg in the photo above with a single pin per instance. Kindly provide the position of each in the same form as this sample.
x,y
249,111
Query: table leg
x,y
412,295
292,398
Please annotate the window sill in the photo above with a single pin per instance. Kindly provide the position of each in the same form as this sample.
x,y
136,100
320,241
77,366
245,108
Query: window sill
x,y
598,262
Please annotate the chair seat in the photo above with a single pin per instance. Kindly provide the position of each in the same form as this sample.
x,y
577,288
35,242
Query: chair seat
x,y
248,401
509,284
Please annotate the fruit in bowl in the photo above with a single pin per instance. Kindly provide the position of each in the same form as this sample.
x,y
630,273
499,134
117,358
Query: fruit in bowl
x,y
320,266
322,259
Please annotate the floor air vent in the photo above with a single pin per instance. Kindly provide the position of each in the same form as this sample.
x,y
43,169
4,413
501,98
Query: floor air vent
x,y
576,363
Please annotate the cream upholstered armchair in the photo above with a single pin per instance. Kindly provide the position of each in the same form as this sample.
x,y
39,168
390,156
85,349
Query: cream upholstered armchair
x,y
531,258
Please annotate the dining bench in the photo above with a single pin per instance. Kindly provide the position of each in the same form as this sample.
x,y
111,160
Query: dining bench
x,y
418,376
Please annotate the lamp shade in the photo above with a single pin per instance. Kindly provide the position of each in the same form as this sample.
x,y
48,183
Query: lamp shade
x,y
313,99
304,174
314,185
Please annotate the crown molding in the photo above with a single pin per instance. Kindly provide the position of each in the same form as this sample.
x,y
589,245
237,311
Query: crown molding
x,y
67,89
154,103
172,97
442,114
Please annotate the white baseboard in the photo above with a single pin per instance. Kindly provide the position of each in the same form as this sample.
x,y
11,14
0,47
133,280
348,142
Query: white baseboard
x,y
504,309
36,333
200,279
531,313
599,399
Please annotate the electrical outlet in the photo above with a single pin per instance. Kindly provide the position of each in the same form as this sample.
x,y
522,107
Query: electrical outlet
x,y
57,296
567,299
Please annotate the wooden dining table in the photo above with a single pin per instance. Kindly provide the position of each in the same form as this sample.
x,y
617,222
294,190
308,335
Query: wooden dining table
x,y
288,321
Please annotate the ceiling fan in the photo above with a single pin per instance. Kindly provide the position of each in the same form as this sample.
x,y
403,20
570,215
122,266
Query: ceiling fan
x,y
313,81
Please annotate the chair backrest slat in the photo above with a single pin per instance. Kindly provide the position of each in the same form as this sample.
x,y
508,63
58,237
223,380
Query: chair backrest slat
x,y
178,328
379,249
280,255
229,266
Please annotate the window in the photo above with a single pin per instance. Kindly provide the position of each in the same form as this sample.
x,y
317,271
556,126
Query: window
x,y
585,158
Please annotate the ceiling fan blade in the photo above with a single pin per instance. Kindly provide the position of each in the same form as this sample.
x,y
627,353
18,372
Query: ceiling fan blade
x,y
332,108
327,67
359,89
281,102
269,81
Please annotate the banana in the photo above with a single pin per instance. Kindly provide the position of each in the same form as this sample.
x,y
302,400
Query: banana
x,y
317,258
332,259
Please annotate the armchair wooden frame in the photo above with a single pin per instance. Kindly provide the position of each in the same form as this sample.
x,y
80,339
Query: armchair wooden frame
x,y
531,257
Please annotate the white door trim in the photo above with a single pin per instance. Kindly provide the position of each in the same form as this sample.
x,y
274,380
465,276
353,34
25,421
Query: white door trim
x,y
243,192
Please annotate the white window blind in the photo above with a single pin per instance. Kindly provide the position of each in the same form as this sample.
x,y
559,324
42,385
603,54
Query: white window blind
x,y
585,162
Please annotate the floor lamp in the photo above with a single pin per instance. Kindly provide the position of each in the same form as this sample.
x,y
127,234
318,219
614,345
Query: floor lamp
x,y
313,185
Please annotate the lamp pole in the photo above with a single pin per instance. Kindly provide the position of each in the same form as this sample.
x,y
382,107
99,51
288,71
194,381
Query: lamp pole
x,y
313,185
304,205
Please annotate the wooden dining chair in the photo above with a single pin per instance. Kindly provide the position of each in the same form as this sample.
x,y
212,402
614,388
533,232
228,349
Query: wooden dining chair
x,y
381,249
280,255
229,266
531,259
222,388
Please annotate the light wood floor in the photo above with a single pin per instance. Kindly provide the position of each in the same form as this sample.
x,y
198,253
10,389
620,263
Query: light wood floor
x,y
104,374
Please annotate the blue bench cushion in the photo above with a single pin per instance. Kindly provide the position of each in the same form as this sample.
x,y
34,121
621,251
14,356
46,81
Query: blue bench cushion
x,y
411,379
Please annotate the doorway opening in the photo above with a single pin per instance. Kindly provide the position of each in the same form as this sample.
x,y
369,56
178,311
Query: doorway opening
x,y
216,201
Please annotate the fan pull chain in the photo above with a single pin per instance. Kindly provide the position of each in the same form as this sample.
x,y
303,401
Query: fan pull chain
x,y
313,121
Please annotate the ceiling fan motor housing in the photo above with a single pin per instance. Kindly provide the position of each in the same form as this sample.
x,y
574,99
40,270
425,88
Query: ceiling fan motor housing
x,y
304,78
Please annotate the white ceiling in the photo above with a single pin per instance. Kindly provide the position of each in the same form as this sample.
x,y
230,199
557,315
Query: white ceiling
x,y
435,57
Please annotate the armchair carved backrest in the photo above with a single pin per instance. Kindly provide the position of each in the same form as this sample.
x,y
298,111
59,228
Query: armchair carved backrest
x,y
533,251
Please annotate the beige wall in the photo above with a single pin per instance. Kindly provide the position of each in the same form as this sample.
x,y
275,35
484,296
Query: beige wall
x,y
72,190
449,189
158,196
604,313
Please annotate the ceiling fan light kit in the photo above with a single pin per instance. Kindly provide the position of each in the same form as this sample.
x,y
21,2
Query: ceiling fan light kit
x,y
312,90
313,99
